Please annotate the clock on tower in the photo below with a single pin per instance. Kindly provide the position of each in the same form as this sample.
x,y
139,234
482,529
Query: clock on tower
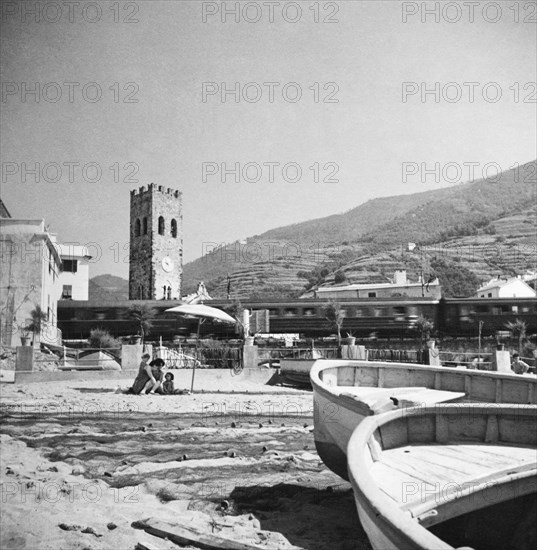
x,y
167,264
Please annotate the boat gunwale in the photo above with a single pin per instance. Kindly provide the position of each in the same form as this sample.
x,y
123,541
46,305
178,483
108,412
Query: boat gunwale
x,y
378,506
336,391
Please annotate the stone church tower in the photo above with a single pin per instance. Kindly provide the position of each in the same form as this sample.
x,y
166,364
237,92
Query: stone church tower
x,y
156,244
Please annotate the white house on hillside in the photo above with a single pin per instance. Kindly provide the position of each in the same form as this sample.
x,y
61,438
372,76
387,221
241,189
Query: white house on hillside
x,y
400,286
506,288
74,277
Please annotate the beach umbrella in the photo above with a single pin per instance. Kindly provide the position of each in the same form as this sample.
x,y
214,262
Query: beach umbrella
x,y
202,313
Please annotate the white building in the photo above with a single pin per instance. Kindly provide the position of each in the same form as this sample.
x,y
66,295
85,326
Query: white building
x,y
400,286
74,277
201,295
30,269
506,288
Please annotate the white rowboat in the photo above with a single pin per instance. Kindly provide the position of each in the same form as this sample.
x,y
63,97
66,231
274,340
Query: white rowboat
x,y
448,476
346,392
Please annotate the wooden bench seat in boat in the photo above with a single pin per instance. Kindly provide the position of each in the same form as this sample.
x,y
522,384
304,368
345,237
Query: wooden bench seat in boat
x,y
433,482
377,400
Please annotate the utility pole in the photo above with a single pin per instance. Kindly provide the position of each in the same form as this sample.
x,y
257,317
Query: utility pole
x,y
481,323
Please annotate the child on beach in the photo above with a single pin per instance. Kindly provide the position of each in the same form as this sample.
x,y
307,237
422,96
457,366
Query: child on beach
x,y
167,386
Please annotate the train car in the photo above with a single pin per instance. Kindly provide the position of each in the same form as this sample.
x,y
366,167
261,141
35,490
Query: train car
x,y
76,319
384,317
462,316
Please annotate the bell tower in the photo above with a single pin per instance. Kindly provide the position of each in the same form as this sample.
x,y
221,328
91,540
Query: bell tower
x,y
156,244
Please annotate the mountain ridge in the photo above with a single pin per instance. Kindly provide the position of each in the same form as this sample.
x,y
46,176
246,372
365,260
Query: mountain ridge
x,y
373,229
366,243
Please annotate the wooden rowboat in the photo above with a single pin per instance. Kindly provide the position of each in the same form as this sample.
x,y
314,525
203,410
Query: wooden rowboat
x,y
448,476
296,371
345,392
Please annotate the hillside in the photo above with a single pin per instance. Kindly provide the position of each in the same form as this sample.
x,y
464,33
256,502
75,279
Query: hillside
x,y
108,288
474,231
486,226
351,225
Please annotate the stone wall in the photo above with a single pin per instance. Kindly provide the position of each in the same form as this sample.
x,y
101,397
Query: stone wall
x,y
168,204
131,355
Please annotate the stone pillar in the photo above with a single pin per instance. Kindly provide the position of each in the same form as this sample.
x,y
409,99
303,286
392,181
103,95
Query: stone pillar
x,y
501,361
251,357
131,355
25,359
246,322
433,354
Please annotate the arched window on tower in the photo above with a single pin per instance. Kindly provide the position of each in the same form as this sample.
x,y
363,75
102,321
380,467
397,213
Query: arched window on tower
x,y
137,226
174,229
161,225
145,226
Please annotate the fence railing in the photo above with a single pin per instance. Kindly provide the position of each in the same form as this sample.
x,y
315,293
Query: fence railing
x,y
231,356
396,355
275,354
470,360
216,357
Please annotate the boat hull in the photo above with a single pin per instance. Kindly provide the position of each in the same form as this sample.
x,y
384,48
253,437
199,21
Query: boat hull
x,y
346,392
296,371
332,428
485,460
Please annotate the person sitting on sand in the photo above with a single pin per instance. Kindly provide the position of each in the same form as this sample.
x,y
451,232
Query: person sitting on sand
x,y
167,386
157,376
144,375
518,366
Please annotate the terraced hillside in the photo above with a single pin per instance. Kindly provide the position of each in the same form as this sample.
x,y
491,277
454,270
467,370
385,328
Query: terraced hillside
x,y
481,229
487,227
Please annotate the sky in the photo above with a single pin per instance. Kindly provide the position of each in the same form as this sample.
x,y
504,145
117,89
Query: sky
x,y
356,99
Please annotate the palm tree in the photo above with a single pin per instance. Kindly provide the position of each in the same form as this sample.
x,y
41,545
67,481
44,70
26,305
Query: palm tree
x,y
235,309
518,329
143,314
424,326
335,315
38,318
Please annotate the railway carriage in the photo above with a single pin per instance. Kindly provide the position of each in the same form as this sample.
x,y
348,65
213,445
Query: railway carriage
x,y
395,317
462,316
384,317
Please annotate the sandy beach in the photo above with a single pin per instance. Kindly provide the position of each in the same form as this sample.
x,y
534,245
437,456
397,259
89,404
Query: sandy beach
x,y
82,466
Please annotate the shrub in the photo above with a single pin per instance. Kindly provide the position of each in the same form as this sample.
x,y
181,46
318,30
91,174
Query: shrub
x,y
143,315
100,338
340,277
455,279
